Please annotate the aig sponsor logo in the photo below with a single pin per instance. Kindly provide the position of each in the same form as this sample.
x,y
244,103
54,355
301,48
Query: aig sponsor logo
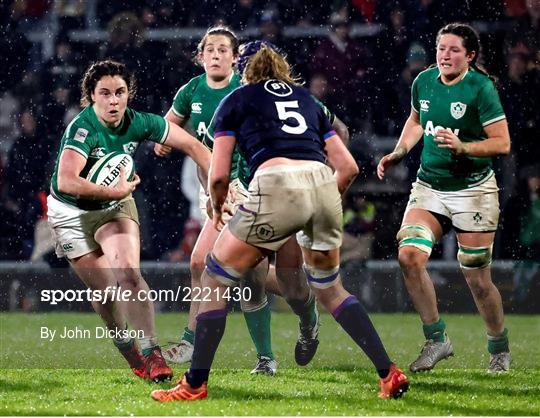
x,y
430,129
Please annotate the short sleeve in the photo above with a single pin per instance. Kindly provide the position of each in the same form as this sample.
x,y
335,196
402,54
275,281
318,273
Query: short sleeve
x,y
227,118
415,103
326,128
181,105
489,105
328,113
156,128
79,139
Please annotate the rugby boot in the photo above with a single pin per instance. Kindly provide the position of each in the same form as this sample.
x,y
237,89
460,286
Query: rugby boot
x,y
135,360
265,365
181,392
307,343
394,385
500,362
432,352
156,366
179,353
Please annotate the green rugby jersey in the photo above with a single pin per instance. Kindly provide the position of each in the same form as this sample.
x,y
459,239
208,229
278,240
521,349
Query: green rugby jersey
x,y
87,136
196,103
465,108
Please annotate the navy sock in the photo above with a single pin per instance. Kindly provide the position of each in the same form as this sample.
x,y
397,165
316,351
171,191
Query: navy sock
x,y
355,321
210,328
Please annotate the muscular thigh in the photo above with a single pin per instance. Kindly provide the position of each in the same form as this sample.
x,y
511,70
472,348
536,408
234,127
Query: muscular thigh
x,y
235,253
205,242
120,241
424,218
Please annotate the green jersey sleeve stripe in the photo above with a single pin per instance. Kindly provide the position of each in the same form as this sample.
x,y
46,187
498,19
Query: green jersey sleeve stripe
x,y
166,133
176,112
498,118
414,108
80,151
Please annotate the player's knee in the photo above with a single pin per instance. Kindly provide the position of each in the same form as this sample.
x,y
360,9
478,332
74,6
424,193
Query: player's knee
x,y
197,264
321,278
474,257
414,240
222,273
129,276
479,286
410,258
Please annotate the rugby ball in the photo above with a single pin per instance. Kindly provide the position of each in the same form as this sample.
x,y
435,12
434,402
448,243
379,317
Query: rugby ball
x,y
106,170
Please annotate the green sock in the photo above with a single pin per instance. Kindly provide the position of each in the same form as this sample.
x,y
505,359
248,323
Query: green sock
x,y
258,323
435,331
308,317
499,343
188,335
148,344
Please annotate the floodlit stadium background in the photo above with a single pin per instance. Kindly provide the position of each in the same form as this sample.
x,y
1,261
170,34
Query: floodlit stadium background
x,y
364,78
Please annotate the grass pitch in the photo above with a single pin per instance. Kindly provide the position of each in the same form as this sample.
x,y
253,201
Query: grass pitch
x,y
88,377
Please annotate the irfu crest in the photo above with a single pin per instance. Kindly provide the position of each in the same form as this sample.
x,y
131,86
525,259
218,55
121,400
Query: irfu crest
x,y
457,109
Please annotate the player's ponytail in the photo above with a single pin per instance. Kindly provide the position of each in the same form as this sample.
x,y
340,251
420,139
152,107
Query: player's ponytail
x,y
471,43
268,64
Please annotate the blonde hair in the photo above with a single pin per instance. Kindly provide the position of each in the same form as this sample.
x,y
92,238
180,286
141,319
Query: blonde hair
x,y
267,64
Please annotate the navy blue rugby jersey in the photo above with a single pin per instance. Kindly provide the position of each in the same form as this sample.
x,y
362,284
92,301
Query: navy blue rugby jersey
x,y
273,119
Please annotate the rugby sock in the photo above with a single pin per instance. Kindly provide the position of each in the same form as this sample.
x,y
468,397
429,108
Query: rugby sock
x,y
435,331
498,343
355,321
188,336
307,311
210,328
124,344
147,344
258,323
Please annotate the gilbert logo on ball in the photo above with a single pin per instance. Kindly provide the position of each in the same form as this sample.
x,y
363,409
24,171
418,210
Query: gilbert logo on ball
x,y
106,170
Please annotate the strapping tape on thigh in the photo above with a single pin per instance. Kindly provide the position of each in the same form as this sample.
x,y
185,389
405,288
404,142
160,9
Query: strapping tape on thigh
x,y
417,236
474,257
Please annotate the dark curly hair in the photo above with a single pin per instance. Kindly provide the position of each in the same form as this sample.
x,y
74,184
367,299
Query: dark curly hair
x,y
100,69
470,39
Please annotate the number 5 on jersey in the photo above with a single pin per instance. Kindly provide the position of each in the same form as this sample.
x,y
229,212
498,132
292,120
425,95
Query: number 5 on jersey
x,y
284,114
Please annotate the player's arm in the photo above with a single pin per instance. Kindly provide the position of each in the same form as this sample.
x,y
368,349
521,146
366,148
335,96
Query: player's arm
x,y
70,182
220,172
162,150
180,139
342,161
410,135
341,130
496,143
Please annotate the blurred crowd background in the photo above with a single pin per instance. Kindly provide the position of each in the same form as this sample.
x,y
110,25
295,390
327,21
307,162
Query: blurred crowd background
x,y
359,57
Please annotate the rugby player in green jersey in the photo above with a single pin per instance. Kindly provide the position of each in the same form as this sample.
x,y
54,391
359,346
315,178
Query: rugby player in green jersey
x,y
456,109
96,227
